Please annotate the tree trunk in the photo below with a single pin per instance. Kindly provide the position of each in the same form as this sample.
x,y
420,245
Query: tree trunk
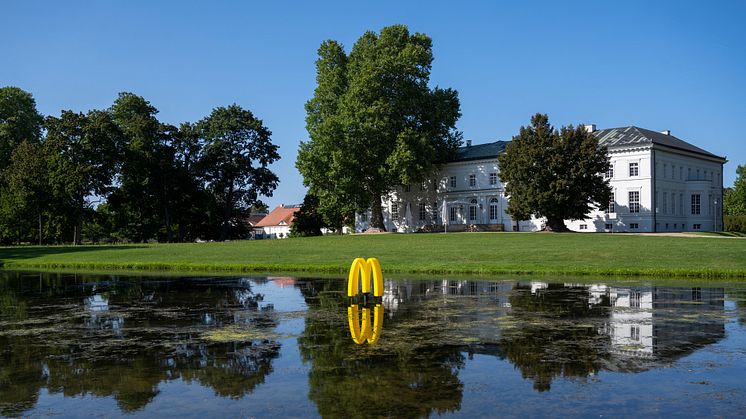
x,y
225,230
167,217
39,228
376,213
556,225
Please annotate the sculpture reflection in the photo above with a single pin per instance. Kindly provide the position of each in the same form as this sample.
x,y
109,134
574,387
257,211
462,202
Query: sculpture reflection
x,y
368,332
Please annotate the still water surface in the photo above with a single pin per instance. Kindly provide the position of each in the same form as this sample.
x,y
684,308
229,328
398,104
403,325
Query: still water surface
x,y
93,345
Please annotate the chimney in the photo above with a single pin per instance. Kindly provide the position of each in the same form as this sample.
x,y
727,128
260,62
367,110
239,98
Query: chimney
x,y
666,132
282,205
468,143
590,128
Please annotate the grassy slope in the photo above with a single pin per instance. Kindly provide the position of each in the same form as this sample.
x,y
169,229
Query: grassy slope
x,y
483,253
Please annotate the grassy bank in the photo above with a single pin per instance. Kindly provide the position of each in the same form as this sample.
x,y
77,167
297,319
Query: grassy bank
x,y
476,253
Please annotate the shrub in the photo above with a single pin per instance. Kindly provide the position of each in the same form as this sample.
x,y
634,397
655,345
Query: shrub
x,y
735,223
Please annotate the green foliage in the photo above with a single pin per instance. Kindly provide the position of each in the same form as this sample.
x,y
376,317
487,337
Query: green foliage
x,y
554,174
235,158
19,121
82,152
120,175
374,123
308,221
26,197
735,223
735,197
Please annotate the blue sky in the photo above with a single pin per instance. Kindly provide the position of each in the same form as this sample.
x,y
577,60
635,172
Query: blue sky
x,y
660,65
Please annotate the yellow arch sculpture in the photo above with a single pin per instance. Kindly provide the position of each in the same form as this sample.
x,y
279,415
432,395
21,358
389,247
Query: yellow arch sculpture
x,y
362,273
365,270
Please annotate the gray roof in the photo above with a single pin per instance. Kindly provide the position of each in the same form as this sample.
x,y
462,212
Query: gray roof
x,y
480,151
631,135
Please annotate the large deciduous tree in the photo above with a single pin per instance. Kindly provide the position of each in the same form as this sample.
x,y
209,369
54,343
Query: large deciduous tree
x,y
554,174
82,154
373,122
234,162
735,197
19,121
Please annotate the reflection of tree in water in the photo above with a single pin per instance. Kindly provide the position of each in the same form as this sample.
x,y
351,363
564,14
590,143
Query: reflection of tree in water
x,y
122,338
348,380
547,341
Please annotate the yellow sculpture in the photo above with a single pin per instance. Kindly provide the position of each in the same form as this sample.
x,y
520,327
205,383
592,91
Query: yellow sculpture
x,y
369,271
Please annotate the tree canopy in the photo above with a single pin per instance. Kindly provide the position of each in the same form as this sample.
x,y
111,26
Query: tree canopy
x,y
120,174
735,197
554,174
374,123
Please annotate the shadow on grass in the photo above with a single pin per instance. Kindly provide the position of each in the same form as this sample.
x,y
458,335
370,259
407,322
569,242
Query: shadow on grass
x,y
9,254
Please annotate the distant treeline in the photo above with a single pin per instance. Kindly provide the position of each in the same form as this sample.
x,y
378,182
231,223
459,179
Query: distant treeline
x,y
121,175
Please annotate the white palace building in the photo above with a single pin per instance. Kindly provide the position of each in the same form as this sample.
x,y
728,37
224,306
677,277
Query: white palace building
x,y
660,183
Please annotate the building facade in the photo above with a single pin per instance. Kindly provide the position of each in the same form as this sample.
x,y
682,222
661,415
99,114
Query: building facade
x,y
660,183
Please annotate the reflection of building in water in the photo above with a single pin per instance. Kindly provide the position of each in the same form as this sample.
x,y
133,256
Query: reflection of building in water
x,y
99,317
395,293
661,322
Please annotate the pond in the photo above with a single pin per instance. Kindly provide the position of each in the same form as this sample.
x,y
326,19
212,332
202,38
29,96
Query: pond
x,y
115,345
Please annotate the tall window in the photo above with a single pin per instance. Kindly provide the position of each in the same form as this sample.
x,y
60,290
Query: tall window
x,y
473,210
453,214
665,202
493,178
472,180
364,217
634,333
673,204
634,169
696,204
493,209
634,299
665,170
681,173
611,208
422,186
394,211
423,212
634,201
453,181
610,171
681,204
436,213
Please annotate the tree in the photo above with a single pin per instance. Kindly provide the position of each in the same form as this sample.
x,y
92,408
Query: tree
x,y
554,174
308,221
27,195
235,158
82,153
19,121
374,123
735,197
145,196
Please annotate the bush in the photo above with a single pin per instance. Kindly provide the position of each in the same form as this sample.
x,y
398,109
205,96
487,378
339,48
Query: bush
x,y
735,223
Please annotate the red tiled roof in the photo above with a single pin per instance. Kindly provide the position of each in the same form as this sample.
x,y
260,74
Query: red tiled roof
x,y
254,219
279,216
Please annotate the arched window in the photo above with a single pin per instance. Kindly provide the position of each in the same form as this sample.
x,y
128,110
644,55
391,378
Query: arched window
x,y
493,209
473,210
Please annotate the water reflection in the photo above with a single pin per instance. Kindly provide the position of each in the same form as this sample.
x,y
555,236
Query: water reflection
x,y
125,337
121,339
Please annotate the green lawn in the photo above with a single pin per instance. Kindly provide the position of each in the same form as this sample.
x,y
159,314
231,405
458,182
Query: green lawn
x,y
471,253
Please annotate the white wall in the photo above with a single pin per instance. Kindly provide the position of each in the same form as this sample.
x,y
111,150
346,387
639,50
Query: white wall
x,y
683,183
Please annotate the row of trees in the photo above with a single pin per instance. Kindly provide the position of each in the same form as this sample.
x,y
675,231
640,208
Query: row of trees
x,y
120,174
